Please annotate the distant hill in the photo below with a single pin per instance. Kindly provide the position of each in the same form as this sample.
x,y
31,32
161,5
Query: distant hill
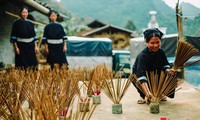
x,y
189,10
118,12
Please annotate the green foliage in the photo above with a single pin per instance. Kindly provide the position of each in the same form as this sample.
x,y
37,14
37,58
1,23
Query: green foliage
x,y
130,25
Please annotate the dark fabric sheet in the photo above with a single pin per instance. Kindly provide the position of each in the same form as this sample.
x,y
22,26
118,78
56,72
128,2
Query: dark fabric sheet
x,y
89,48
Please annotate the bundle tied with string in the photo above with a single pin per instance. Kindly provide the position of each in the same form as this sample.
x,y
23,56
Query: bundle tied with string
x,y
183,53
115,89
160,85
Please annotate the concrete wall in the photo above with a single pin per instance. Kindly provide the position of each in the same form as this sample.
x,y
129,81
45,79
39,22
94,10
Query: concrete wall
x,y
6,21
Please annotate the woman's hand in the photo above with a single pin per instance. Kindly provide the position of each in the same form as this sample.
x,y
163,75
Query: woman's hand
x,y
148,98
17,51
47,50
171,71
65,46
36,50
64,49
36,47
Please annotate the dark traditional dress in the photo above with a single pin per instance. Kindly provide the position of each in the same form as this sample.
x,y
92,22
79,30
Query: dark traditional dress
x,y
24,35
54,36
149,61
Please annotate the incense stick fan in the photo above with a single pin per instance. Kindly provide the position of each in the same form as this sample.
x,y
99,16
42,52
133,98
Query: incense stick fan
x,y
184,52
115,89
74,112
84,100
99,78
160,86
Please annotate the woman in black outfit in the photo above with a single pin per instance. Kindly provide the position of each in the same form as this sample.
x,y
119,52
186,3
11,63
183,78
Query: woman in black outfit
x,y
24,40
54,39
151,58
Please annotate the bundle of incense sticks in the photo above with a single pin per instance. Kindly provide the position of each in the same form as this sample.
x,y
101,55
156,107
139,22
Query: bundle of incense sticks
x,y
160,85
99,78
184,52
49,92
115,88
74,113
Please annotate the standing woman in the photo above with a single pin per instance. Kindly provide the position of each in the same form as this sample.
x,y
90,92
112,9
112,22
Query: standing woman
x,y
54,39
24,40
151,58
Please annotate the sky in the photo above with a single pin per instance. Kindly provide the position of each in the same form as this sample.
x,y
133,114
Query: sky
x,y
172,3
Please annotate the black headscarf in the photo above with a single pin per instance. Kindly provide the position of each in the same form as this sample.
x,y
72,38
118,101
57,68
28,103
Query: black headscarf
x,y
154,32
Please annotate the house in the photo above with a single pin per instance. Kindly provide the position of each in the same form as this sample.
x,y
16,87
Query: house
x,y
96,24
120,36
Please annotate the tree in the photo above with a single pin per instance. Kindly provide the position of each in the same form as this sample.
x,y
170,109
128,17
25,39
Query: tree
x,y
130,25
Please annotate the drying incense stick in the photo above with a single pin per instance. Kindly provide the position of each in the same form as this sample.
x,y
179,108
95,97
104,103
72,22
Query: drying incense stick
x,y
49,92
160,85
184,52
115,88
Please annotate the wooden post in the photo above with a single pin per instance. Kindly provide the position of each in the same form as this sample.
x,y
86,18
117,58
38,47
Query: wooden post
x,y
179,17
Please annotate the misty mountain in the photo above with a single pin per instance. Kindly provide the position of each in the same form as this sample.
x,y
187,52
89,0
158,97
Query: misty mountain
x,y
189,10
118,12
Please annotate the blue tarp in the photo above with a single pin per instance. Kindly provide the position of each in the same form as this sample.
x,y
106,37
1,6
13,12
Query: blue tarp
x,y
77,46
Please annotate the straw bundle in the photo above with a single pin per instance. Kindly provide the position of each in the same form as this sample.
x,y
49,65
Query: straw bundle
x,y
115,88
160,85
184,52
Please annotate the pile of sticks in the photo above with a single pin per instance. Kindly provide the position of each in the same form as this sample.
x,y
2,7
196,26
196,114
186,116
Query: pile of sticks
x,y
46,93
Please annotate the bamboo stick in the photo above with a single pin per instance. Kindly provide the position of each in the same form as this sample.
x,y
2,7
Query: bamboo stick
x,y
16,16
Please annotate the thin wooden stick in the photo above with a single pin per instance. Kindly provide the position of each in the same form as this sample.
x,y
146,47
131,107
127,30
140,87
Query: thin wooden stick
x,y
160,85
16,16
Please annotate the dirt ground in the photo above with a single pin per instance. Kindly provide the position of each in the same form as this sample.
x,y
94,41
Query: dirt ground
x,y
185,106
